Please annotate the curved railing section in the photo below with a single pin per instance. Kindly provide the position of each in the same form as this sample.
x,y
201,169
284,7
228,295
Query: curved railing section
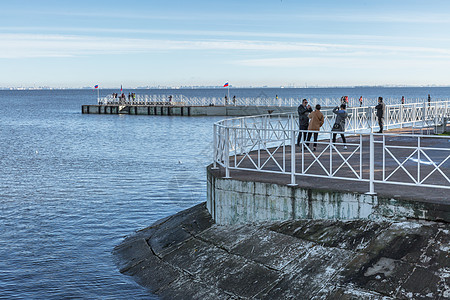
x,y
182,100
265,143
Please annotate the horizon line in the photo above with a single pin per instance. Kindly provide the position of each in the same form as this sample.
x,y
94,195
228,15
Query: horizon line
x,y
161,87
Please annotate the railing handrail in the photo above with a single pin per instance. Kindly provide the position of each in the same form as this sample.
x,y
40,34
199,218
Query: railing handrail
x,y
247,101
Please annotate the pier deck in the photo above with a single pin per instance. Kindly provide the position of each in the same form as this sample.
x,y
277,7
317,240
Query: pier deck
x,y
174,110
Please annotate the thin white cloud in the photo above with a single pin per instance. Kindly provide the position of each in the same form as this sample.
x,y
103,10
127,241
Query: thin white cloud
x,y
223,33
47,45
358,16
336,63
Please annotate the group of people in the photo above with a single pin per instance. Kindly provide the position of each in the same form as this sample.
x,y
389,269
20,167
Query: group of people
x,y
344,100
313,120
122,96
226,100
131,96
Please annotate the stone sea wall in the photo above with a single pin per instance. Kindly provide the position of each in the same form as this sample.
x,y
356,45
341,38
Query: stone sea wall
x,y
187,256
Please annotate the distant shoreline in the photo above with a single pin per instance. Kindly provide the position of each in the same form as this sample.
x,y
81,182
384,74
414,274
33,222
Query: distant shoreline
x,y
220,87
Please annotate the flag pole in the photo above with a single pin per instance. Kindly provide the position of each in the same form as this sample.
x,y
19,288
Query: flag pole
x,y
228,91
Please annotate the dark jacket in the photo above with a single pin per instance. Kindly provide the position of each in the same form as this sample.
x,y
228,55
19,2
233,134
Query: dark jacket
x,y
341,115
303,113
381,108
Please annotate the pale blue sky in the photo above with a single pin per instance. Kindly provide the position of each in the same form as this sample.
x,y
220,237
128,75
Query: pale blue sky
x,y
248,43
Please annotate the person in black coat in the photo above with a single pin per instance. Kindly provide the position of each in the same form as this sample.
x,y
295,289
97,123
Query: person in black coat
x,y
381,108
303,111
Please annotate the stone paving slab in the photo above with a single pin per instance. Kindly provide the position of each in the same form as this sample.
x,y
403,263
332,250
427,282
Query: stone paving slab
x,y
272,249
227,237
349,235
309,274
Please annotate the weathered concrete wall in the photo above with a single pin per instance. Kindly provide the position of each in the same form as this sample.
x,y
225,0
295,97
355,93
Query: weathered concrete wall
x,y
233,201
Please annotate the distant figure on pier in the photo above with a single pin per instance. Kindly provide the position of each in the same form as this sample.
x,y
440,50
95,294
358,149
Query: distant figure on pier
x,y
360,101
170,100
316,122
234,100
226,100
344,100
133,95
429,100
129,96
403,99
303,111
339,123
381,108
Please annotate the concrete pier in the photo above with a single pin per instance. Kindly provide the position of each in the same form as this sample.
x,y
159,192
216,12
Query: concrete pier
x,y
172,110
259,238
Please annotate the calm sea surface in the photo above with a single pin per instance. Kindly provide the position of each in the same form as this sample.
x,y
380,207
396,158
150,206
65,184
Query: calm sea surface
x,y
73,185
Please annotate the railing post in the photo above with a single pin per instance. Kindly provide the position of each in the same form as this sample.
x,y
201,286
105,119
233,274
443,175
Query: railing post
x,y
371,111
292,152
227,152
215,147
265,121
446,107
401,115
371,165
418,159
387,116
424,114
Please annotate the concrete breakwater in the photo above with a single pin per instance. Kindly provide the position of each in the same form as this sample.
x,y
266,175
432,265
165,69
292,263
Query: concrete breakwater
x,y
171,110
187,256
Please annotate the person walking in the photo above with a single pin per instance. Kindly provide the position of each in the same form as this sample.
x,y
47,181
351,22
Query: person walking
x,y
381,108
429,100
339,123
360,101
316,122
403,99
303,111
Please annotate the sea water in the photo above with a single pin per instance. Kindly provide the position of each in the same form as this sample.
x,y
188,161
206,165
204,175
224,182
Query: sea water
x,y
73,185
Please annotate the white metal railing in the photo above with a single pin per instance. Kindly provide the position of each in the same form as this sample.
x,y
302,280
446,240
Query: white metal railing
x,y
264,144
181,100
422,161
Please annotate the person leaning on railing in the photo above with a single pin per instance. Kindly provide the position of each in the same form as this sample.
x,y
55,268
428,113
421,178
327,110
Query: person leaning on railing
x,y
339,123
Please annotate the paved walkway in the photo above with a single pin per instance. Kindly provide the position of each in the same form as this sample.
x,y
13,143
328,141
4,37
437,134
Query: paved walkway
x,y
427,194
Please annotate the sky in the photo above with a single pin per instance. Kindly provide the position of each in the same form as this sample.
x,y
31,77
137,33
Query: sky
x,y
207,43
